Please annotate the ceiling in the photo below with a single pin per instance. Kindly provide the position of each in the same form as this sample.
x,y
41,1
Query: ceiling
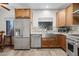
x,y
55,6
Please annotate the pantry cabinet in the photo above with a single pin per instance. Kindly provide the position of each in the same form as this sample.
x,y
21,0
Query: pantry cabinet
x,y
23,13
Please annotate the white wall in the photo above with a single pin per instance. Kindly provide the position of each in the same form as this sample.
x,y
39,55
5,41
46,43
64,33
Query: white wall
x,y
43,13
9,15
5,15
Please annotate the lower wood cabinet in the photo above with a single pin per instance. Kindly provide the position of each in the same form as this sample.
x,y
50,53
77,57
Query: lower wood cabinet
x,y
48,42
62,41
59,41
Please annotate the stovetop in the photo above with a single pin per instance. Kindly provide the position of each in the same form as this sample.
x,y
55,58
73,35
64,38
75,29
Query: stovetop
x,y
74,37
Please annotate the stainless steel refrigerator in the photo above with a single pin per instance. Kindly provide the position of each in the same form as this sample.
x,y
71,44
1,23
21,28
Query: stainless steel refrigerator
x,y
22,34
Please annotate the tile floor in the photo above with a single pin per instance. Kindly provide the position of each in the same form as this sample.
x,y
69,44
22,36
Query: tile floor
x,y
33,52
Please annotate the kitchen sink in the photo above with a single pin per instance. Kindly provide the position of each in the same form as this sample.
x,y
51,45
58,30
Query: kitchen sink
x,y
48,35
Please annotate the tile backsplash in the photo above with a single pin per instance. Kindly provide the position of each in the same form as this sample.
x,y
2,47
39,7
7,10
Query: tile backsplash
x,y
74,29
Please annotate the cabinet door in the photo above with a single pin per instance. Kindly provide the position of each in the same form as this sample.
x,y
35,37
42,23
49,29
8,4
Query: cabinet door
x,y
27,12
58,41
49,42
22,13
75,6
52,42
44,43
62,41
18,13
61,18
57,19
69,15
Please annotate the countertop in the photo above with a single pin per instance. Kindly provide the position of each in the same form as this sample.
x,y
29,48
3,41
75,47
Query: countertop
x,y
46,34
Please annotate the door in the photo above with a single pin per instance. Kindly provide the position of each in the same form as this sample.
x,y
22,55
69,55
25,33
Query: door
x,y
71,47
17,43
9,28
26,28
25,43
18,27
21,43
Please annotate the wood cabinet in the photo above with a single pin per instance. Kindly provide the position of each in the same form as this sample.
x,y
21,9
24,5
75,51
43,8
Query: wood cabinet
x,y
75,6
72,18
61,41
61,17
66,17
23,13
69,15
48,42
58,41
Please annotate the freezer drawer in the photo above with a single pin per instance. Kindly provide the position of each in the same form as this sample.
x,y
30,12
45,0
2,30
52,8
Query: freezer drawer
x,y
35,41
21,43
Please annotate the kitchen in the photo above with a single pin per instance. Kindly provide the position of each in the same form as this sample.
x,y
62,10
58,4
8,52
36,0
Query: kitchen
x,y
47,28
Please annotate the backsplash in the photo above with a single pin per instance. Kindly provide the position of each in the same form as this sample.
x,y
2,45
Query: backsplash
x,y
38,29
75,28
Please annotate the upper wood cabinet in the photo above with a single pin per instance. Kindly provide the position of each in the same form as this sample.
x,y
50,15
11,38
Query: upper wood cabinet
x,y
75,6
61,16
72,18
23,14
67,17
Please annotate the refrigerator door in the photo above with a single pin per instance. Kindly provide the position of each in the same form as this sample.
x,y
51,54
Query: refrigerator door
x,y
21,43
26,28
17,43
26,43
18,28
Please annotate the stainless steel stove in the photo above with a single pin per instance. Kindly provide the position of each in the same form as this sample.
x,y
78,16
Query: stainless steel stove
x,y
73,45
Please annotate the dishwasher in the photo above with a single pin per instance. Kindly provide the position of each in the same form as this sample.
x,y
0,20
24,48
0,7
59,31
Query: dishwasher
x,y
36,40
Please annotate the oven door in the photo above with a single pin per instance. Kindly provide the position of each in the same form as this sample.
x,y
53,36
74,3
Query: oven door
x,y
71,48
77,49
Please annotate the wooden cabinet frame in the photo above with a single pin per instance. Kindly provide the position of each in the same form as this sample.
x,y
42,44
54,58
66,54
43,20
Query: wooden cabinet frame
x,y
22,13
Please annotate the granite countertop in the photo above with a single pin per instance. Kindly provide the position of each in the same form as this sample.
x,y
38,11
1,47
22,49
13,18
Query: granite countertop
x,y
49,33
